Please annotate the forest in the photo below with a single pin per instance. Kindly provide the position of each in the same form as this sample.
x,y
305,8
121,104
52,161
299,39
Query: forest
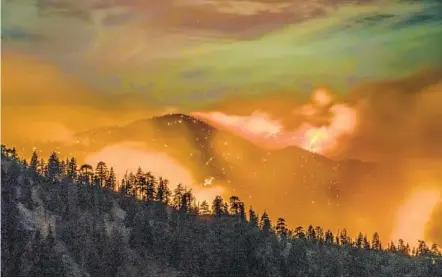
x,y
59,218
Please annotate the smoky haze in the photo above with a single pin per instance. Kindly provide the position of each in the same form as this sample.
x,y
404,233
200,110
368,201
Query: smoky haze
x,y
382,167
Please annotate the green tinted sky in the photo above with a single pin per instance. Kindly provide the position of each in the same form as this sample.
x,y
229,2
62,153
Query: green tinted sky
x,y
194,52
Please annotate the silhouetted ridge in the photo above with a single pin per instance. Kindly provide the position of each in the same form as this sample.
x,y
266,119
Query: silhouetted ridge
x,y
63,219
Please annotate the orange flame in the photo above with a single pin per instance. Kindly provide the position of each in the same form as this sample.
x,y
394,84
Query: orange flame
x,y
261,129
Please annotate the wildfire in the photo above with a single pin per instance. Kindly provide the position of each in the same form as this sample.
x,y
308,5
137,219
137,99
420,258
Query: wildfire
x,y
413,216
270,133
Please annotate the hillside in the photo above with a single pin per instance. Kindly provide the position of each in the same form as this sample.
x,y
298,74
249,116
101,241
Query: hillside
x,y
66,223
298,178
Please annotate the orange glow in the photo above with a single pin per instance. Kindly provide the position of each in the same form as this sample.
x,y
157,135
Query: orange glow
x,y
264,131
413,216
321,97
128,156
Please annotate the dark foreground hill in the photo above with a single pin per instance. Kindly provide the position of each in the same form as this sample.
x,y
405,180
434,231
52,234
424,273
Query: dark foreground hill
x,y
70,223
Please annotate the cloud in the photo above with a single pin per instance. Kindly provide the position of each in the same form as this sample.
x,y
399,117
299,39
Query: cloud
x,y
150,46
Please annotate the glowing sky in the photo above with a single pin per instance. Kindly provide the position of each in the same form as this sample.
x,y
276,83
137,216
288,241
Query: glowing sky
x,y
188,53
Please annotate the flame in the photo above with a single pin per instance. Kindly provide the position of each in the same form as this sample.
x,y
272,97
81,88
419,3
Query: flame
x,y
260,128
324,138
413,216
321,97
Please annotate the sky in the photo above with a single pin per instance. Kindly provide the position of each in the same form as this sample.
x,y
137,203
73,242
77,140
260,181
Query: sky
x,y
252,67
192,53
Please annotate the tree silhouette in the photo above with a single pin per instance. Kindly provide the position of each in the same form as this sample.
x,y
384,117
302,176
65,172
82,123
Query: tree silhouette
x,y
217,206
163,192
281,228
311,235
102,174
253,218
86,173
111,181
265,224
54,170
223,247
204,208
34,162
329,238
376,242
72,169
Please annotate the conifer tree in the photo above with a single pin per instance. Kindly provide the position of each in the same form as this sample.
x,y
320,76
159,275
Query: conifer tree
x,y
101,172
53,166
311,235
217,206
34,162
111,181
253,218
72,169
329,238
204,208
376,242
265,224
150,187
281,228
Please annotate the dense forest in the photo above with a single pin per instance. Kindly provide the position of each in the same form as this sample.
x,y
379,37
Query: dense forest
x,y
63,219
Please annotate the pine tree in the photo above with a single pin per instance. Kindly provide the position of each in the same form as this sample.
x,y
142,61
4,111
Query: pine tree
x,y
281,228
150,187
253,218
319,234
54,170
34,162
343,237
42,168
360,241
140,184
366,243
299,232
265,224
217,206
101,173
71,170
329,238
111,181
63,167
376,242
86,173
422,249
204,208
311,235
178,196
242,212
234,205
226,209
391,247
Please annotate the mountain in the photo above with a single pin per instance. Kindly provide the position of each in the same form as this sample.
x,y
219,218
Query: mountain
x,y
278,181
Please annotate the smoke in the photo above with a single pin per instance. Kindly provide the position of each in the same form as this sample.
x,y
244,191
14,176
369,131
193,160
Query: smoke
x,y
400,119
322,124
129,156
